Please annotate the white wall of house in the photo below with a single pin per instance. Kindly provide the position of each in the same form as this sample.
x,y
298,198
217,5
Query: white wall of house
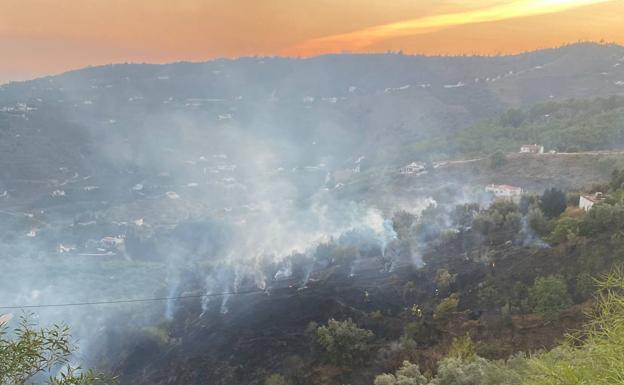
x,y
533,149
412,168
586,203
505,192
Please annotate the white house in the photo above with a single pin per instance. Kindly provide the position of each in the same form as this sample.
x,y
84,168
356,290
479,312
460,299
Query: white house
x,y
586,202
504,191
112,242
532,149
413,168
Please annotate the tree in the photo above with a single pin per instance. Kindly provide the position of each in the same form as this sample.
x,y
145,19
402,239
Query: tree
x,y
501,222
344,342
553,202
549,295
407,374
498,159
29,352
565,229
617,180
538,222
402,223
603,219
444,279
489,297
463,215
513,117
527,203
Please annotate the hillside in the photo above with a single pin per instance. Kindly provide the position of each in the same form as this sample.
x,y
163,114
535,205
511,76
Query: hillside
x,y
332,107
464,179
228,210
568,126
505,277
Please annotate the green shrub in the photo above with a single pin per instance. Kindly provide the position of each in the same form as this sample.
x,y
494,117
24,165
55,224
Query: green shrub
x,y
446,308
603,219
385,379
463,349
566,229
454,371
537,221
489,297
275,379
444,279
413,329
498,159
549,295
407,374
344,342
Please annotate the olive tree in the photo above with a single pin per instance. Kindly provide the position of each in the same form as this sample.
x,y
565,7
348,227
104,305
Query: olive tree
x,y
344,342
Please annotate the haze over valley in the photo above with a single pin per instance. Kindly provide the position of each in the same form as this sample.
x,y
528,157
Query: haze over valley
x,y
240,201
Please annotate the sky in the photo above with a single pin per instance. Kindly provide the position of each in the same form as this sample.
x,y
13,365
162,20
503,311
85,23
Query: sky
x,y
41,37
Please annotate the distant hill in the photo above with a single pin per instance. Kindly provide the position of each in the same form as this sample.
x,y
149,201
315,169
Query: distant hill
x,y
326,110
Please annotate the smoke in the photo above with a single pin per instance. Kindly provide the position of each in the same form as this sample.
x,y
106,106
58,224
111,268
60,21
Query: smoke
x,y
213,181
204,196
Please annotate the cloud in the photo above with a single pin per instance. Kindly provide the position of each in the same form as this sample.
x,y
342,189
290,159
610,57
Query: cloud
x,y
362,39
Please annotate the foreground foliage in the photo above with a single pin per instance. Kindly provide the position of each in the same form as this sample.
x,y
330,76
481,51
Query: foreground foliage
x,y
592,356
28,354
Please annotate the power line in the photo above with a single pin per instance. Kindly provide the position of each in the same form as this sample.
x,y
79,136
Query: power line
x,y
136,300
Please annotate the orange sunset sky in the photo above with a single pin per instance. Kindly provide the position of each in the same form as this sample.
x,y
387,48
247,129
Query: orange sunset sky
x,y
39,37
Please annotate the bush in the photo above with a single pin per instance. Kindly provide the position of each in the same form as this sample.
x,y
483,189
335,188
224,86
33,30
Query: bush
x,y
453,371
408,374
446,308
463,349
385,379
413,329
549,295
344,342
489,297
498,159
538,222
479,371
603,219
444,279
275,379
